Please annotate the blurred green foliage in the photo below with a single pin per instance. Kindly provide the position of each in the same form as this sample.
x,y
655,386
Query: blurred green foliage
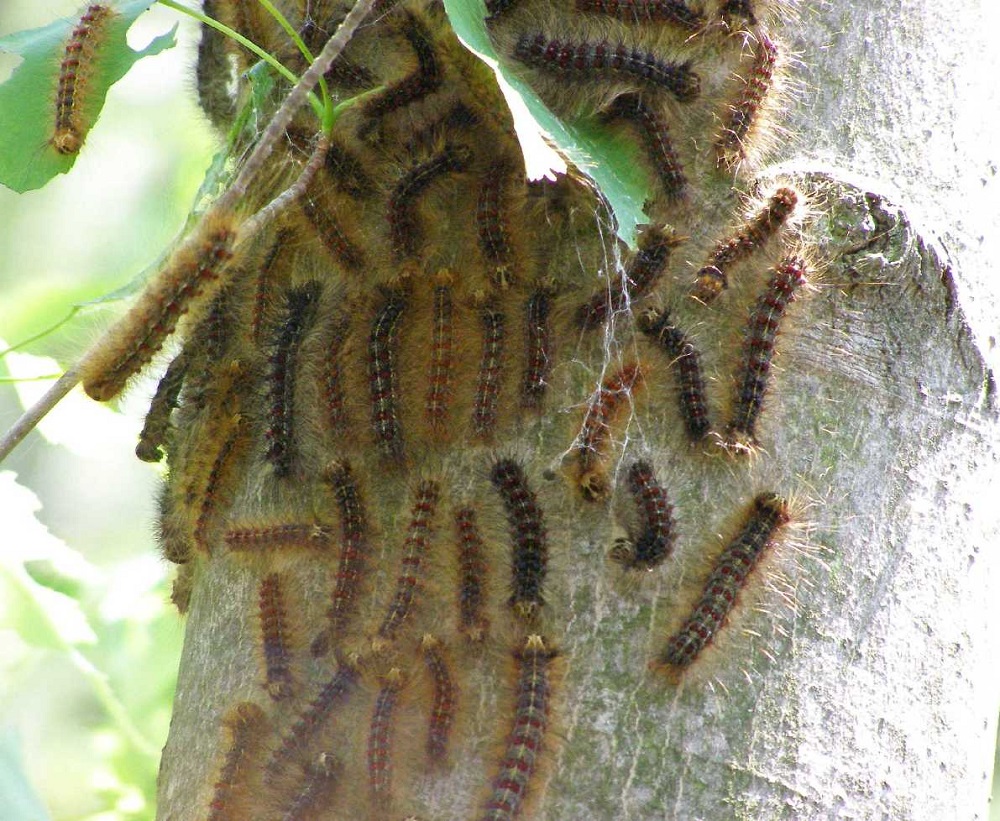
x,y
89,643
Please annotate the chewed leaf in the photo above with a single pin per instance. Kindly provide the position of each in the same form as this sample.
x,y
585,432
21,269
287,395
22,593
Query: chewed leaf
x,y
68,67
592,150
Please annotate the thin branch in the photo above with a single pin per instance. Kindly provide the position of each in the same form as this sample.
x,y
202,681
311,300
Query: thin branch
x,y
292,103
31,417
289,195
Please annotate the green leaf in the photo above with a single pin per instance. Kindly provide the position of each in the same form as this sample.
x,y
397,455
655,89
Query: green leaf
x,y
28,159
593,151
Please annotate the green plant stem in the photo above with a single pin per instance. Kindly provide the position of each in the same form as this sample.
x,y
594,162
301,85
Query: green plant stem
x,y
299,43
41,334
289,75
11,380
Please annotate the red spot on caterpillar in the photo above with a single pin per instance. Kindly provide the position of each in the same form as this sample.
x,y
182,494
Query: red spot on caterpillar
x,y
712,279
275,638
640,11
767,515
533,697
333,383
655,539
311,721
380,740
265,538
332,235
491,224
244,726
414,548
655,134
758,348
156,428
404,231
316,790
422,81
742,116
192,273
586,60
383,378
605,405
353,553
530,553
472,576
693,402
537,350
71,126
641,276
300,310
444,699
439,390
484,410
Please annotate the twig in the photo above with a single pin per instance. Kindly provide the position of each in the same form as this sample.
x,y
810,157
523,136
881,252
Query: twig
x,y
33,415
292,103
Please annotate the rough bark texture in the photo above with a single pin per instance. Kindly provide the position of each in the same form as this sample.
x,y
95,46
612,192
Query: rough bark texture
x,y
857,684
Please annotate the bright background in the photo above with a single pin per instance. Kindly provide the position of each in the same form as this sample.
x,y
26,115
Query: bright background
x,y
89,643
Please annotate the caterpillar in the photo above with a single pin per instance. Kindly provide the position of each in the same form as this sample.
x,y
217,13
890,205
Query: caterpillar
x,y
379,755
472,572
244,725
767,515
642,274
70,125
585,59
538,350
425,79
713,278
492,227
488,384
533,699
655,134
300,310
743,114
439,390
758,348
383,378
527,532
692,398
403,229
335,693
414,547
655,539
190,277
341,248
321,779
353,552
602,410
443,702
254,538
275,638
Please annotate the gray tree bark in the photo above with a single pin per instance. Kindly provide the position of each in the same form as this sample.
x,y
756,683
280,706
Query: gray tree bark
x,y
859,683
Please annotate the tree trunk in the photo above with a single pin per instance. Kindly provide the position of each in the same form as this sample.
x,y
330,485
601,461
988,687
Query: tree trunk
x,y
852,679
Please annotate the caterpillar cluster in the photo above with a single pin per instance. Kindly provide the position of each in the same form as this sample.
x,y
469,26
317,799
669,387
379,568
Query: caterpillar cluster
x,y
367,399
